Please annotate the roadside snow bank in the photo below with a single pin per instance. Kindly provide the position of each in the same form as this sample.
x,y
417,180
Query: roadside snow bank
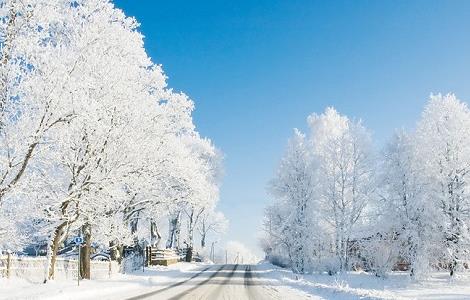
x,y
118,287
361,285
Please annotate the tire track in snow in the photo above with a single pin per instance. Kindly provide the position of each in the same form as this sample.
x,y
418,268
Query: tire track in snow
x,y
217,291
153,293
187,292
253,289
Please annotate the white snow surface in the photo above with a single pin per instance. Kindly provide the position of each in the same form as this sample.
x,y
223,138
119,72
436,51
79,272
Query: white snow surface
x,y
118,287
281,283
361,285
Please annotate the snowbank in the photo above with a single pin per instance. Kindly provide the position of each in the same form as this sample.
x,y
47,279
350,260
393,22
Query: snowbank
x,y
361,285
119,286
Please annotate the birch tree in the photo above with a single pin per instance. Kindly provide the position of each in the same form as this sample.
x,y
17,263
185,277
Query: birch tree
x,y
343,149
443,153
323,188
294,186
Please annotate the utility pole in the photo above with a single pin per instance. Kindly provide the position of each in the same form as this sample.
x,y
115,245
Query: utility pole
x,y
78,241
226,256
212,252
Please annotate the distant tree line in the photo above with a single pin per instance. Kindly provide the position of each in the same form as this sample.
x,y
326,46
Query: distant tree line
x,y
339,204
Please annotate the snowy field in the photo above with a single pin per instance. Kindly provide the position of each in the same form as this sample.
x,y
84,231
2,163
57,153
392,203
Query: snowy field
x,y
360,285
273,282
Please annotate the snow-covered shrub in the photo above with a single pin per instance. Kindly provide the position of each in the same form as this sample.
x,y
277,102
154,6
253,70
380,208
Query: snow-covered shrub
x,y
278,260
330,265
380,253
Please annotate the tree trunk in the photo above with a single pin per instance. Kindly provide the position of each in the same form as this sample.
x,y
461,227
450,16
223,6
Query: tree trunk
x,y
189,254
173,231
134,225
453,267
155,235
116,250
85,263
203,240
113,249
191,228
178,235
57,238
121,253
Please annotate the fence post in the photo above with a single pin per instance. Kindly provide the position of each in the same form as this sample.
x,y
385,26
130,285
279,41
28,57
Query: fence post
x,y
109,270
8,264
147,256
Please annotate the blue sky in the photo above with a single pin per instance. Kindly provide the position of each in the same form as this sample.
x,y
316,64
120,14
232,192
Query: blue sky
x,y
257,69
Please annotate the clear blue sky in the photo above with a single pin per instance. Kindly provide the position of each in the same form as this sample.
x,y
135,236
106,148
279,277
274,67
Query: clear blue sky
x,y
256,69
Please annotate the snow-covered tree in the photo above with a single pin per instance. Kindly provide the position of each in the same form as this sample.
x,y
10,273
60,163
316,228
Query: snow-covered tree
x,y
211,221
443,155
414,209
275,240
32,99
294,186
323,188
401,208
93,140
343,150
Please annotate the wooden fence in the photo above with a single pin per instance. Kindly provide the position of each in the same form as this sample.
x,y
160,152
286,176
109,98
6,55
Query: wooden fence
x,y
161,257
33,269
166,257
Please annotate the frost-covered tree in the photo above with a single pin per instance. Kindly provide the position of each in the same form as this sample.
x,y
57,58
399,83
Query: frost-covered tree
x,y
342,148
275,240
415,209
425,202
323,186
402,211
32,98
198,185
93,140
443,154
211,221
294,186
107,64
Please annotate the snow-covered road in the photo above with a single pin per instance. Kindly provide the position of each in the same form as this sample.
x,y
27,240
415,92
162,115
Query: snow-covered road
x,y
260,281
224,282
